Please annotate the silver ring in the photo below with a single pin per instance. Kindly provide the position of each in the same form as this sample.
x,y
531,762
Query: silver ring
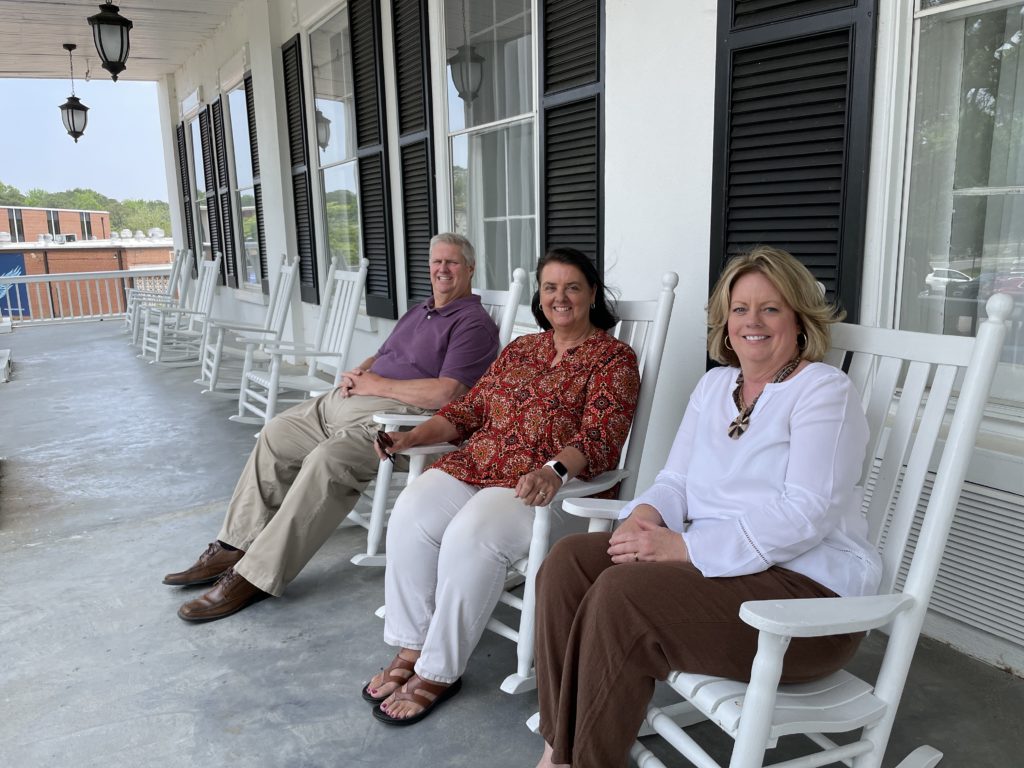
x,y
636,557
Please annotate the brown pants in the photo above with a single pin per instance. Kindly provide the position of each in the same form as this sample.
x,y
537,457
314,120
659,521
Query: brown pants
x,y
606,633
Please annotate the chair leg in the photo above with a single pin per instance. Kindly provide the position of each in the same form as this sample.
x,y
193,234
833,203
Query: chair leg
x,y
218,351
275,378
759,702
379,509
243,387
525,678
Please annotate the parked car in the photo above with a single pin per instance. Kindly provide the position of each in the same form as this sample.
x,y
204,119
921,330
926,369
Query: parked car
x,y
940,277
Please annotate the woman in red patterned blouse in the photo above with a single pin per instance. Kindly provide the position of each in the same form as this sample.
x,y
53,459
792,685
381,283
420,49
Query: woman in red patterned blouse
x,y
554,405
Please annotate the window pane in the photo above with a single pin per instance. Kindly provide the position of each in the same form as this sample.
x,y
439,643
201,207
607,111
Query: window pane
x,y
332,88
965,219
492,178
489,48
199,178
239,112
341,214
250,237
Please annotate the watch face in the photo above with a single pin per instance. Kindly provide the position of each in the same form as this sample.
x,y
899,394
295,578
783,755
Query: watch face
x,y
560,468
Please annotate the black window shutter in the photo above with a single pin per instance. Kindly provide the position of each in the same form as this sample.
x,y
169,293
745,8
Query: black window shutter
x,y
792,129
228,264
298,147
415,142
571,126
210,176
261,235
371,152
186,194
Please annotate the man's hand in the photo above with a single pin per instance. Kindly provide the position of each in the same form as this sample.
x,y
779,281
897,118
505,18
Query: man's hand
x,y
642,538
359,382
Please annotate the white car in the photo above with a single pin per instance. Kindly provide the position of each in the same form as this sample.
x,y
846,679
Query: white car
x,y
940,277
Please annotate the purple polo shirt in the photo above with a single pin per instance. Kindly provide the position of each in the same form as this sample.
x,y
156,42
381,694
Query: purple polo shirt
x,y
458,341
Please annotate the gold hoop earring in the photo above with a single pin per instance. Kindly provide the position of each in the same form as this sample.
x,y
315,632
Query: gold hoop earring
x,y
727,345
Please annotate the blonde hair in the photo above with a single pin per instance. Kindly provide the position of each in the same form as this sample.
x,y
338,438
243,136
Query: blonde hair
x,y
796,285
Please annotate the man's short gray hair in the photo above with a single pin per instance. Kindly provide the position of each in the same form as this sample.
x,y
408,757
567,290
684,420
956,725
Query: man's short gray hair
x,y
460,242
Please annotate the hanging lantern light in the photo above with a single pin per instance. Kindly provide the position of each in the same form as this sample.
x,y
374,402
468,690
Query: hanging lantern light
x,y
323,130
73,112
110,33
467,71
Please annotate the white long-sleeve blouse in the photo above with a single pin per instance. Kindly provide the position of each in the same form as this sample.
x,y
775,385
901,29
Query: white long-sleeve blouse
x,y
785,493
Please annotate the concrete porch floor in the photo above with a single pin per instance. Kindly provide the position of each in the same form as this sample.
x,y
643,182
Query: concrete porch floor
x,y
114,472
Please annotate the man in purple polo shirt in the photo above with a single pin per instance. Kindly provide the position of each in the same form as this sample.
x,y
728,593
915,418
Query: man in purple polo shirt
x,y
312,461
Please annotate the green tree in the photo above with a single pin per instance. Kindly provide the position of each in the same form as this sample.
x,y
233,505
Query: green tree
x,y
127,214
10,195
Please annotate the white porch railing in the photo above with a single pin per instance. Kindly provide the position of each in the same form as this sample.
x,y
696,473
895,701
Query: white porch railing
x,y
74,296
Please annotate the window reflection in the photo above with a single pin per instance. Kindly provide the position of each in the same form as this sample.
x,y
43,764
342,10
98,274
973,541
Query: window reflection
x,y
965,218
245,199
341,213
491,119
200,202
334,136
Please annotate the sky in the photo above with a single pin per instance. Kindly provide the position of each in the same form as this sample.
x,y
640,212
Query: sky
x,y
120,155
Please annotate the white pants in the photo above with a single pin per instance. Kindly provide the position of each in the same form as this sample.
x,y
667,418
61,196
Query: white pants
x,y
449,547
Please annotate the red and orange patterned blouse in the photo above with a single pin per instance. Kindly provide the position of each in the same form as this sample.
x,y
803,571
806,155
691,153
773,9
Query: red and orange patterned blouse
x,y
523,411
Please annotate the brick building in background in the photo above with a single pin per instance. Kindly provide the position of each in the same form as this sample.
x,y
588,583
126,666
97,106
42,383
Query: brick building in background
x,y
27,225
51,242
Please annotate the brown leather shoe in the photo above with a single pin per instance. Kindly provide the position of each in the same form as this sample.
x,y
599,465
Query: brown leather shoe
x,y
229,595
210,566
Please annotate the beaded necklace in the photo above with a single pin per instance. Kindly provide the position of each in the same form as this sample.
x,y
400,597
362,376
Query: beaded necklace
x,y
740,424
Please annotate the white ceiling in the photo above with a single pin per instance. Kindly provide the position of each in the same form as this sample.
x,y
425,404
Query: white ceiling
x,y
165,34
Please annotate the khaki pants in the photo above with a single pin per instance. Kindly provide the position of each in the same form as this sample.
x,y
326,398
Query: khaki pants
x,y
606,632
304,476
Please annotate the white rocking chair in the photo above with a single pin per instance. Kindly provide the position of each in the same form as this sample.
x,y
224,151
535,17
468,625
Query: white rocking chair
x,y
502,307
175,335
644,326
175,295
907,381
264,389
229,343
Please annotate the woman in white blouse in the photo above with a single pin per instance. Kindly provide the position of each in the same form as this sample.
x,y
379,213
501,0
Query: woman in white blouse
x,y
759,500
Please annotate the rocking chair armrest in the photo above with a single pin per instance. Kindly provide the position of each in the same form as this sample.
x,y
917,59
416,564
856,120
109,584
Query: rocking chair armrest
x,y
427,450
254,336
820,616
232,325
290,348
177,311
386,419
595,509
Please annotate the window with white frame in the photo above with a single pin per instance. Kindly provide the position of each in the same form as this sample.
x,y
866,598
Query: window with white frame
x,y
334,133
53,222
963,236
16,225
243,186
491,130
200,199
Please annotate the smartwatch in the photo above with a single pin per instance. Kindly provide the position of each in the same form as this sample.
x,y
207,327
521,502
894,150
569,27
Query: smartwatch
x,y
560,470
